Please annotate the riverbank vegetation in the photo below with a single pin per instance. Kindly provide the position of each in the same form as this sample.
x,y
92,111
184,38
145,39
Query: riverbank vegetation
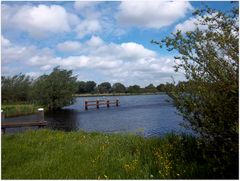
x,y
59,88
209,100
19,109
46,154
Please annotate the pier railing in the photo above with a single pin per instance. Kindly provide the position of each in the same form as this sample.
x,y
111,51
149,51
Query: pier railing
x,y
97,103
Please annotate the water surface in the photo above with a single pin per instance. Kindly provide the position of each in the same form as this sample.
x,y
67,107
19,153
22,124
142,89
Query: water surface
x,y
149,115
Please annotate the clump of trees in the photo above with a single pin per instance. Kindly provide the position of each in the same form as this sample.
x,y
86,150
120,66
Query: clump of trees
x,y
104,87
150,88
209,98
16,88
56,89
52,91
86,87
134,89
118,88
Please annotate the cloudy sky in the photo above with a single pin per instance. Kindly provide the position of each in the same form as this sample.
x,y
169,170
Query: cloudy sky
x,y
100,41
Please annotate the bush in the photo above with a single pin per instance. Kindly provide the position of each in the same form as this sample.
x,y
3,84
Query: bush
x,y
209,99
55,90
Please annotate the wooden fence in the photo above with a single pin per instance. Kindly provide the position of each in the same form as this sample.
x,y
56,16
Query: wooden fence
x,y
97,103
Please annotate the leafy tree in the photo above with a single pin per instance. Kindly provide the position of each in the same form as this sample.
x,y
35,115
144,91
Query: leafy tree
x,y
161,88
86,87
209,101
134,89
104,87
81,87
150,88
118,88
56,89
16,88
90,86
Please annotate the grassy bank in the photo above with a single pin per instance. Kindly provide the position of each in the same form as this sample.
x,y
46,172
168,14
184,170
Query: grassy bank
x,y
116,94
19,109
46,154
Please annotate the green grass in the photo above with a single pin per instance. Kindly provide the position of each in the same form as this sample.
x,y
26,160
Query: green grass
x,y
19,109
46,154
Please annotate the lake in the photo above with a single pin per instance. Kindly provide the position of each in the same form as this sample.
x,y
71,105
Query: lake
x,y
148,115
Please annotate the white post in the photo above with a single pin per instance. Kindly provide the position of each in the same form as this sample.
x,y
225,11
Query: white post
x,y
41,114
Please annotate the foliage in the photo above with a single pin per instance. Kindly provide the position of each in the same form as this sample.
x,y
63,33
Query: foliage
x,y
150,88
118,88
167,87
209,100
17,110
56,89
104,87
161,88
46,154
81,87
16,88
134,89
90,86
86,87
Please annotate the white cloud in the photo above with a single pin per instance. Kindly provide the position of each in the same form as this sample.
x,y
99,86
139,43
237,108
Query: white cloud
x,y
69,46
43,21
95,41
74,62
46,67
5,42
22,54
88,9
34,74
87,27
81,5
39,20
9,70
189,25
91,23
152,14
133,50
128,61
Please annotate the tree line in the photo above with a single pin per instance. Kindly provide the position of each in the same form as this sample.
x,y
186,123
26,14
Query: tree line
x,y
106,87
56,89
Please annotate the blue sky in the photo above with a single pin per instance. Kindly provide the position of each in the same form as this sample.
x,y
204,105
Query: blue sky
x,y
100,41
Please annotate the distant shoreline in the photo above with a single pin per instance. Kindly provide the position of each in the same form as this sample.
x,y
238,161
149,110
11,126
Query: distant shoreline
x,y
117,94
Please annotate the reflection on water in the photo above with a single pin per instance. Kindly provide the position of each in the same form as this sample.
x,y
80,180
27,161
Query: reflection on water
x,y
62,120
149,115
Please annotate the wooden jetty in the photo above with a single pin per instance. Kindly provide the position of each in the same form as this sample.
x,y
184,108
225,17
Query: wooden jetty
x,y
98,103
39,123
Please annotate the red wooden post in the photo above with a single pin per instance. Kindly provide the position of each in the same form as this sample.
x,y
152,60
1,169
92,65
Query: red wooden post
x,y
107,103
117,102
97,101
86,105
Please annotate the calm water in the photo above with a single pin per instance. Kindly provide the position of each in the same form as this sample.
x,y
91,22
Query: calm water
x,y
149,115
